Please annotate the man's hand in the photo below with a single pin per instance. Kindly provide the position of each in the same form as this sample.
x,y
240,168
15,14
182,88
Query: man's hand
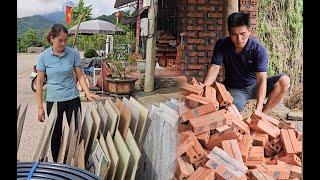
x,y
261,89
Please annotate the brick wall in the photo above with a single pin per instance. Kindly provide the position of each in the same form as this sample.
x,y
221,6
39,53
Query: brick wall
x,y
202,20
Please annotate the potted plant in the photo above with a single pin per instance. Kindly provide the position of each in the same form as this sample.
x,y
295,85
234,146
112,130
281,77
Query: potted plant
x,y
119,83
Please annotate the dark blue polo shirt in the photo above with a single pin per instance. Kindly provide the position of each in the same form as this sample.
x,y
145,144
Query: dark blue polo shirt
x,y
240,68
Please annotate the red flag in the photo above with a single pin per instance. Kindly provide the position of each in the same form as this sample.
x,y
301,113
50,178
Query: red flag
x,y
68,14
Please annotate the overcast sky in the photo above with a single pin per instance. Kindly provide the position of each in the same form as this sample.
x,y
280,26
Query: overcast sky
x,y
36,7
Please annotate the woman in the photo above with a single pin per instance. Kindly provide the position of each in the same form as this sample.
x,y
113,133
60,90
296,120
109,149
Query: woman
x,y
59,63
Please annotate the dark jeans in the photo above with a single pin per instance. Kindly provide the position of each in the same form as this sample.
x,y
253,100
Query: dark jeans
x,y
241,96
68,107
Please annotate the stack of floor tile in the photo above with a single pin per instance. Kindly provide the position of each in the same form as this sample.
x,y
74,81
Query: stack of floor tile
x,y
107,140
214,141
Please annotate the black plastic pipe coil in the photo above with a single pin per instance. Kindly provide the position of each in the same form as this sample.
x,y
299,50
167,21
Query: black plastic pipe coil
x,y
46,170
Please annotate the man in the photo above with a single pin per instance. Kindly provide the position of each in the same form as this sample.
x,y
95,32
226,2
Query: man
x,y
246,65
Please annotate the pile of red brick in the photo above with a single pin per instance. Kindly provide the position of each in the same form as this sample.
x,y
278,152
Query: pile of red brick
x,y
166,49
214,140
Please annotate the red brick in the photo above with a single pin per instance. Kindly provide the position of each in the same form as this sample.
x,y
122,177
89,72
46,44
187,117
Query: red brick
x,y
249,8
195,14
194,54
247,120
255,174
220,21
199,111
196,41
214,28
194,89
265,127
200,162
191,8
275,144
208,174
261,116
203,137
204,60
241,126
216,2
215,15
232,108
253,14
291,159
196,2
184,143
299,135
245,146
222,128
192,34
223,96
204,21
206,8
224,174
199,99
243,2
276,171
253,164
256,153
210,93
260,139
195,28
185,169
195,175
232,148
183,128
197,151
205,48
216,139
289,141
207,34
207,122
295,171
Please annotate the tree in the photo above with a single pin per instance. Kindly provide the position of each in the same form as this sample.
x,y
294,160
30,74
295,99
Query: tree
x,y
78,10
30,39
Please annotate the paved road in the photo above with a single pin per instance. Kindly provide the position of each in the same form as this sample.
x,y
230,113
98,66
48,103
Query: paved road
x,y
25,62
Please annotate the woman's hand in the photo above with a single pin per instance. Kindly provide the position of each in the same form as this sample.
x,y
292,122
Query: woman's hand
x,y
41,114
93,97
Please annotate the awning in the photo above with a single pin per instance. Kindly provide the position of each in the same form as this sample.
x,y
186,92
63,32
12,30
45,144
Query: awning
x,y
132,19
120,3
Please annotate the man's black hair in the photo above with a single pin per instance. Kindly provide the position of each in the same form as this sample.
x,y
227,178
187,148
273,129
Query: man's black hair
x,y
238,19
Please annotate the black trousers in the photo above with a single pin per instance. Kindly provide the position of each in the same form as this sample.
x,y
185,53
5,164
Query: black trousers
x,y
68,107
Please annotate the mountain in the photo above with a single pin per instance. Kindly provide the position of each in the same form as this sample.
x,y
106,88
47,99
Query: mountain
x,y
57,17
41,23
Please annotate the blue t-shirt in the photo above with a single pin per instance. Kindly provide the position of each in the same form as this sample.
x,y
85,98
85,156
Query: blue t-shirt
x,y
61,84
240,68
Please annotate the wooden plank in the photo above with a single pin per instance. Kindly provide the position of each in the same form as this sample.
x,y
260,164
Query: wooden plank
x,y
72,147
20,125
143,118
135,155
134,114
94,132
18,110
125,118
106,153
114,156
158,161
43,145
70,136
97,162
63,142
113,117
81,163
124,155
104,118
87,128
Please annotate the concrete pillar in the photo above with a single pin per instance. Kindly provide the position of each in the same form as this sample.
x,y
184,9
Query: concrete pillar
x,y
151,47
230,7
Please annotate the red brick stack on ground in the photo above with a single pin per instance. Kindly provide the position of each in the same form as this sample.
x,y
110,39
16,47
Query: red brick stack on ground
x,y
166,49
216,142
